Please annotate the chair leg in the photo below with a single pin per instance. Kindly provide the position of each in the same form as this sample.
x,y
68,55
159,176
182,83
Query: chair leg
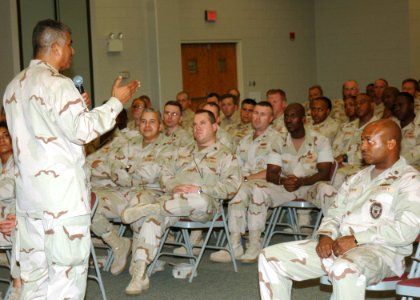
x,y
98,276
232,254
162,243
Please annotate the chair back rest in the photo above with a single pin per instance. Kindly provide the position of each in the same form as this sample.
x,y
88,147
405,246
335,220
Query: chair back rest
x,y
415,265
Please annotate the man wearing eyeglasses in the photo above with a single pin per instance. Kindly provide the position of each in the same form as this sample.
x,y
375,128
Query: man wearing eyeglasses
x,y
193,179
172,118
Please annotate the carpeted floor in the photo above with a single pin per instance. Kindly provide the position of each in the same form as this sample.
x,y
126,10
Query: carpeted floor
x,y
214,281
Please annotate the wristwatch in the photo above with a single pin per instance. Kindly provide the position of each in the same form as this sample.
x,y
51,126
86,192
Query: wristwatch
x,y
245,179
200,190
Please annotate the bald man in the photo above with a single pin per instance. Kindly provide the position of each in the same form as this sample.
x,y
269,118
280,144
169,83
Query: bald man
x,y
367,232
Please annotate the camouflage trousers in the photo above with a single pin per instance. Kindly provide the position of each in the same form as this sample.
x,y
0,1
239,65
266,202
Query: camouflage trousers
x,y
112,201
350,273
197,207
53,257
250,205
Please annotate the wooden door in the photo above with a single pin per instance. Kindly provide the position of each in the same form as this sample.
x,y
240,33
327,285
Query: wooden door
x,y
208,68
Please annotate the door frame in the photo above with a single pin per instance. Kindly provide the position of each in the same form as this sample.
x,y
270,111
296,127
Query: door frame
x,y
239,61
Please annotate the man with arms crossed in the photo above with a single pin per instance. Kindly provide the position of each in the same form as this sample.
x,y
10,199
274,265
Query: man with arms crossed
x,y
49,124
367,232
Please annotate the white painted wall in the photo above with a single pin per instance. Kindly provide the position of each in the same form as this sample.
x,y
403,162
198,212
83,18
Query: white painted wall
x,y
362,40
335,40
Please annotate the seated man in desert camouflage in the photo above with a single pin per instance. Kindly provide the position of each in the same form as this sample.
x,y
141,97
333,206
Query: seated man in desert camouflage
x,y
321,119
127,176
410,128
367,233
172,118
193,180
346,145
244,127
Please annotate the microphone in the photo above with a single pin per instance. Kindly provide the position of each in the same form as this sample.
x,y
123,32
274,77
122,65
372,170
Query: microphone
x,y
78,82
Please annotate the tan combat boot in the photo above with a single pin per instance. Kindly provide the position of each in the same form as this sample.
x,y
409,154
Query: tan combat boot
x,y
139,281
254,248
196,239
223,256
121,247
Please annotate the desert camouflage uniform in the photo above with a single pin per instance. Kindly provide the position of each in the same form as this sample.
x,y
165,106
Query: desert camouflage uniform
x,y
233,120
410,144
239,131
215,169
253,156
379,110
187,119
383,215
278,125
348,141
132,172
225,138
49,124
180,138
328,128
8,207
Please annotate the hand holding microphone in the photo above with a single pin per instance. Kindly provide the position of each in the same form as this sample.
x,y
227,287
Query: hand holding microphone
x,y
78,82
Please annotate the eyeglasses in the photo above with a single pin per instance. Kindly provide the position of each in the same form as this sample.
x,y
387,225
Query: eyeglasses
x,y
137,107
171,114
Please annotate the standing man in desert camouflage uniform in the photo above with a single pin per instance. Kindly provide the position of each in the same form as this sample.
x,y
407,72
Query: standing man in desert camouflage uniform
x,y
49,124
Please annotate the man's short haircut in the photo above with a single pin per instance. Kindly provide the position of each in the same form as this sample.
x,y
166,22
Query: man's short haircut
x,y
265,104
214,105
248,101
317,86
183,93
299,107
173,103
211,116
412,80
46,33
213,95
277,91
139,99
384,80
407,96
227,96
151,109
3,124
326,100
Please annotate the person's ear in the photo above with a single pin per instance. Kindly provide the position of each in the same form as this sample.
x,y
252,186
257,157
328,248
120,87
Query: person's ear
x,y
391,144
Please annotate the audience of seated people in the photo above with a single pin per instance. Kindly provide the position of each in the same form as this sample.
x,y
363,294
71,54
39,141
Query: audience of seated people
x,y
153,170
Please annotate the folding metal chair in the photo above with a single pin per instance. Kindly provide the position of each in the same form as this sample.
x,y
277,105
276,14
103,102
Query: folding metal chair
x,y
410,287
97,276
8,251
285,217
184,225
395,282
